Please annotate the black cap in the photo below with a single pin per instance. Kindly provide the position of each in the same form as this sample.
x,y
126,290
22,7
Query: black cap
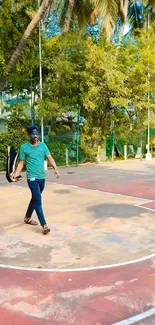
x,y
32,128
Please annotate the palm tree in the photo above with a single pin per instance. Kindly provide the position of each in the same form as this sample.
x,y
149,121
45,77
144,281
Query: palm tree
x,y
83,10
34,22
138,12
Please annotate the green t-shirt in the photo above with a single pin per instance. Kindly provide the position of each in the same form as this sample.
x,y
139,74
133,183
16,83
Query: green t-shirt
x,y
34,157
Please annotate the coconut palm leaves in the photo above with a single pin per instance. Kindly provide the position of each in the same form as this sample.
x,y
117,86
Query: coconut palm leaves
x,y
82,11
34,22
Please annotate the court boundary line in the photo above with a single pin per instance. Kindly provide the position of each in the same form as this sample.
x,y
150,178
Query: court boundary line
x,y
136,318
10,195
128,321
85,269
140,206
82,269
95,190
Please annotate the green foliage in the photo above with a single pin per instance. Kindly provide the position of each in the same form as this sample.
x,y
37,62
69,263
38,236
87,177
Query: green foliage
x,y
108,84
57,149
63,84
89,141
14,136
14,124
3,150
14,18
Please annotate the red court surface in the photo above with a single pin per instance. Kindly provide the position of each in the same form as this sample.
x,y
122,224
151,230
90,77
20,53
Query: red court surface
x,y
117,295
104,296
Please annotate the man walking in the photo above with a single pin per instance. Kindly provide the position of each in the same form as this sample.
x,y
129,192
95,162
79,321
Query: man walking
x,y
33,154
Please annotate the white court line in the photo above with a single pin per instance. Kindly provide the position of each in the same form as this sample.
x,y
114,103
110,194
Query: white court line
x,y
4,197
137,318
128,321
110,193
140,206
6,205
10,195
83,269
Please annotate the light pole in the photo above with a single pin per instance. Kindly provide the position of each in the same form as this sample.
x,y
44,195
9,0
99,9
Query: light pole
x,y
148,154
113,140
40,76
77,137
32,108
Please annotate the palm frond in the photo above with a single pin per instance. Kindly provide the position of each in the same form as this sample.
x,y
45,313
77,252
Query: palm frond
x,y
135,14
34,22
110,10
149,2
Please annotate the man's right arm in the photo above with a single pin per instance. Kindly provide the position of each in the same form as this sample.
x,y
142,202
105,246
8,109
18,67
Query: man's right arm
x,y
21,162
19,168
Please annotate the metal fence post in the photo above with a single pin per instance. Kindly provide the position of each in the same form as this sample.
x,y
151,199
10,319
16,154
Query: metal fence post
x,y
125,152
77,142
67,161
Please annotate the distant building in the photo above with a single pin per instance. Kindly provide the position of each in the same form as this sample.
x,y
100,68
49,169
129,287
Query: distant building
x,y
7,99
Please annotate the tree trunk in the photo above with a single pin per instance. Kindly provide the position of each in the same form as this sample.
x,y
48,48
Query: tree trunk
x,y
124,8
34,22
68,16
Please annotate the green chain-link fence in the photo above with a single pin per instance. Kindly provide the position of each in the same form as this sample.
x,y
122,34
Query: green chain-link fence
x,y
65,149
135,145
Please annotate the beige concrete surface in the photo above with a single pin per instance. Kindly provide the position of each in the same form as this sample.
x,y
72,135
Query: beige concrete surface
x,y
88,228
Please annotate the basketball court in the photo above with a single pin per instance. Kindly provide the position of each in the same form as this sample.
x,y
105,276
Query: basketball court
x,y
97,266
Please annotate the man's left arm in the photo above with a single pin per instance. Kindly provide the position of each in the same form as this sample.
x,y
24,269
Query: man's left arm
x,y
51,161
53,165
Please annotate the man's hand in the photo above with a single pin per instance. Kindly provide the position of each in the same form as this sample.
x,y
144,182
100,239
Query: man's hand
x,y
15,177
56,173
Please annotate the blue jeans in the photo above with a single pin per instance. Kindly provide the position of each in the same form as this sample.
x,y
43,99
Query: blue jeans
x,y
36,186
